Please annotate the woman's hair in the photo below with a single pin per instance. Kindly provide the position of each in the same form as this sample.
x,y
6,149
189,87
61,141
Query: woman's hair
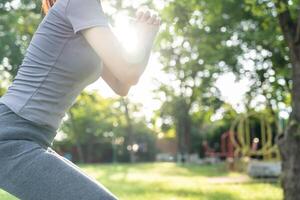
x,y
46,5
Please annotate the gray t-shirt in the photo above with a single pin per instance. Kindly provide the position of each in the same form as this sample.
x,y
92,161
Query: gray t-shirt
x,y
58,64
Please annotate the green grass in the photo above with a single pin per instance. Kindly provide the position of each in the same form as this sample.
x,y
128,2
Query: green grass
x,y
169,181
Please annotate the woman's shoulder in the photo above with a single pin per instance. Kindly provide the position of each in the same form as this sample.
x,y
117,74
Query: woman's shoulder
x,y
55,20
71,16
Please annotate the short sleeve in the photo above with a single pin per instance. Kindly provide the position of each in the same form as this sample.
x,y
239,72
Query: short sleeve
x,y
84,14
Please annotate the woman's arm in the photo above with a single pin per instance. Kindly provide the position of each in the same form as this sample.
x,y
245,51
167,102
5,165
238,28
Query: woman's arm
x,y
113,54
115,84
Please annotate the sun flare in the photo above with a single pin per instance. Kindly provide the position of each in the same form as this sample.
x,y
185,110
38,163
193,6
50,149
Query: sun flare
x,y
126,33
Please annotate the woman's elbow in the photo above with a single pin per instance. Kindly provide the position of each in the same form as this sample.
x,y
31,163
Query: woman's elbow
x,y
124,87
130,79
123,91
133,80
127,74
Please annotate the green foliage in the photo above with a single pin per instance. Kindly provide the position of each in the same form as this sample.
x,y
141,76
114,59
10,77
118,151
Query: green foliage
x,y
18,23
92,116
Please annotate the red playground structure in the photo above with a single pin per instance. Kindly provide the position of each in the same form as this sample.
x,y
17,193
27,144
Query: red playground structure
x,y
227,148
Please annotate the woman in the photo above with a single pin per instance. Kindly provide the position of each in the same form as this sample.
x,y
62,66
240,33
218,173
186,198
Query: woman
x,y
72,47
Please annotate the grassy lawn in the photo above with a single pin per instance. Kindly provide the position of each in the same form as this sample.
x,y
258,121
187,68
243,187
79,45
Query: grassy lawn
x,y
169,181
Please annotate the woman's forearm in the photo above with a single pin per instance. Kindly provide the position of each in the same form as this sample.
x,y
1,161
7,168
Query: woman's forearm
x,y
139,59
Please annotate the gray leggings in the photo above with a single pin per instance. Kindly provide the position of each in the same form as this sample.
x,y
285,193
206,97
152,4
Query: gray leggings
x,y
31,170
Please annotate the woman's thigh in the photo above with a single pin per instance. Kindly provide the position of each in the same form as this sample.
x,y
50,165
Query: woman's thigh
x,y
31,172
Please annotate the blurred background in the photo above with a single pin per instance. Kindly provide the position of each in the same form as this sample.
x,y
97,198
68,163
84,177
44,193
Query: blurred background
x,y
202,122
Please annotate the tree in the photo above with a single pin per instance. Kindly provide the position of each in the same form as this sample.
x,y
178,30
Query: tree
x,y
90,119
289,143
188,54
287,14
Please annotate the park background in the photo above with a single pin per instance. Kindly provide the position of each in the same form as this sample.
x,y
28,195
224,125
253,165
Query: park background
x,y
214,62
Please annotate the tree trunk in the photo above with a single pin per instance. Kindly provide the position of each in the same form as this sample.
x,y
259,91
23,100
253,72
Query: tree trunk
x,y
183,130
90,156
80,152
180,141
78,146
289,143
290,155
129,131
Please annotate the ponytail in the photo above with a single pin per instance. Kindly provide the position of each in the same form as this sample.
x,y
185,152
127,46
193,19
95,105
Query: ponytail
x,y
46,5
